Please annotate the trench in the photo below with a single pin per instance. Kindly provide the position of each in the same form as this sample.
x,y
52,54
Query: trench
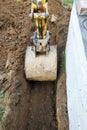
x,y
42,106
31,105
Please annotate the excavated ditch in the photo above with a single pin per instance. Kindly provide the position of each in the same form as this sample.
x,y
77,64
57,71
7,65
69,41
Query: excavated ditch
x,y
42,110
30,105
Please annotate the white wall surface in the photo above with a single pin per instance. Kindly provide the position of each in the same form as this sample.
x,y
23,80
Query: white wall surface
x,y
76,76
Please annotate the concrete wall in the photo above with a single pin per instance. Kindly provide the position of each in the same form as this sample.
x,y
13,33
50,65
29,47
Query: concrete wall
x,y
76,75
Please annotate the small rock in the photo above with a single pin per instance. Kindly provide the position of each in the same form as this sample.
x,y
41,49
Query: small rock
x,y
11,31
53,18
10,74
14,98
2,76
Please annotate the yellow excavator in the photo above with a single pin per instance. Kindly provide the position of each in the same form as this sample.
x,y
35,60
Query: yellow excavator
x,y
41,57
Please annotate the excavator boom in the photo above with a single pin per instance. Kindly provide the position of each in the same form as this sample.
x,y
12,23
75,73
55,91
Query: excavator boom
x,y
41,57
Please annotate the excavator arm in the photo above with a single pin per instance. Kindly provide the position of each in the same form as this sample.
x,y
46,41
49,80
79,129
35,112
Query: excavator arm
x,y
41,58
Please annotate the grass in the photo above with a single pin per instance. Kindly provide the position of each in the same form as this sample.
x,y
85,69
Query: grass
x,y
67,2
2,110
63,60
19,1
2,95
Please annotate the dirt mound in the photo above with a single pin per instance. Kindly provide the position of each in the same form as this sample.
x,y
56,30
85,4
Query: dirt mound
x,y
28,105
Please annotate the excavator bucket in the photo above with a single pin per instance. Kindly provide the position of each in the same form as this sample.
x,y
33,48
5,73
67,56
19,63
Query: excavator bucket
x,y
41,67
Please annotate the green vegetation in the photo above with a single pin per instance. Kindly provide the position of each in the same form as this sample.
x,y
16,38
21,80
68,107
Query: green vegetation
x,y
67,2
19,1
63,60
2,95
2,110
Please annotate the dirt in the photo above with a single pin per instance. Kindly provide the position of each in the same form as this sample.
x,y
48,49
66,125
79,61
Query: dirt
x,y
30,105
42,107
